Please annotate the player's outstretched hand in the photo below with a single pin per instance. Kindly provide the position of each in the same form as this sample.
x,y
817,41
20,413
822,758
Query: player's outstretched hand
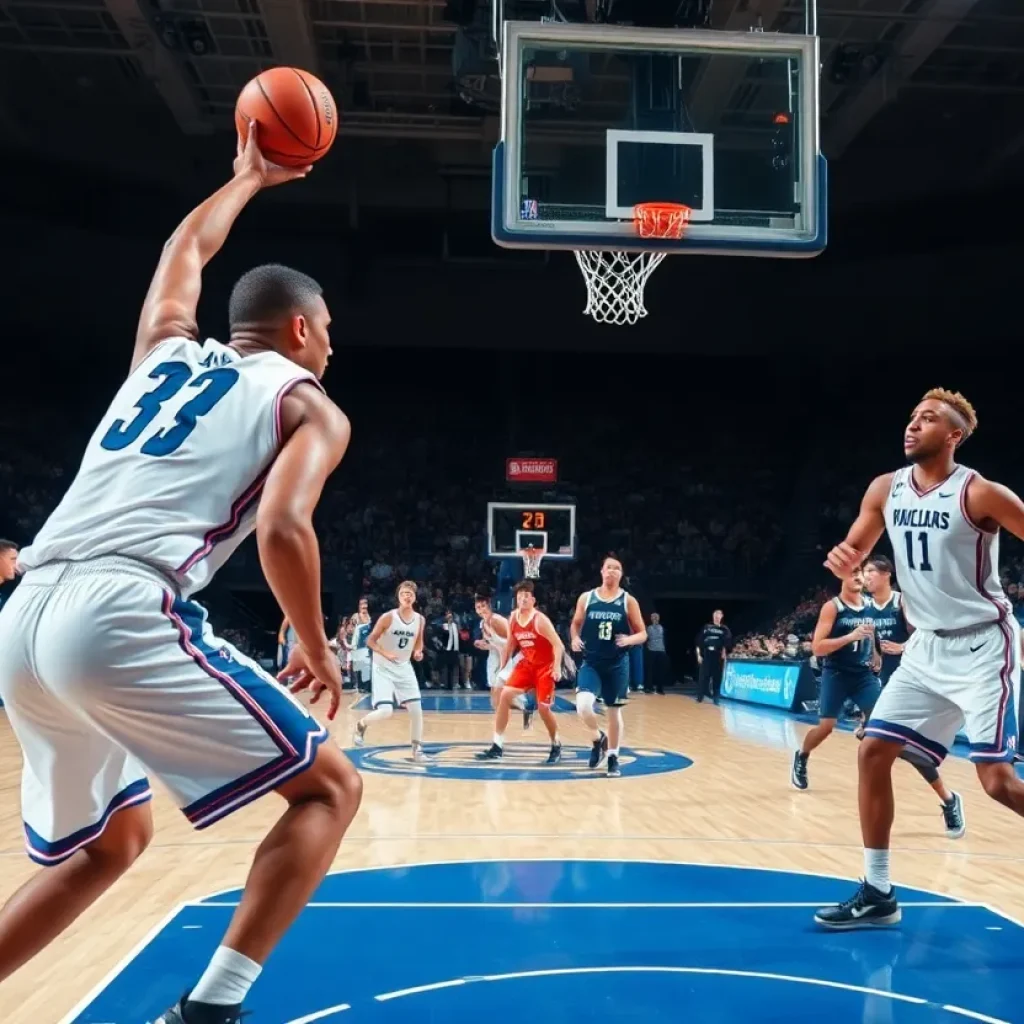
x,y
315,673
842,560
249,158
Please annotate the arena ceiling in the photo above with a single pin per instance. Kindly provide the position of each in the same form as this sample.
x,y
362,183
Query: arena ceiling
x,y
917,95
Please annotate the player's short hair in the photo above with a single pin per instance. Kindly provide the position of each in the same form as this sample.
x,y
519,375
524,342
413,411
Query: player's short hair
x,y
407,585
269,292
527,585
483,594
965,417
7,545
615,558
881,563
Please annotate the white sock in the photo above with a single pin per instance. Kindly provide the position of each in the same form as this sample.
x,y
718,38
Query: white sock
x,y
876,869
415,721
556,740
499,739
613,751
227,979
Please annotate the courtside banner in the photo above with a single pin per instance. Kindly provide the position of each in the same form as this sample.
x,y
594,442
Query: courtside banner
x,y
775,683
531,471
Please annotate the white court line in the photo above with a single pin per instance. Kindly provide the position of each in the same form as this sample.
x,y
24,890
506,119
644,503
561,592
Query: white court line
x,y
761,975
320,1014
387,905
973,1015
405,866
79,1008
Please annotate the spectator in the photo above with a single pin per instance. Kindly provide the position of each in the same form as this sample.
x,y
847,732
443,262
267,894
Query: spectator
x,y
659,669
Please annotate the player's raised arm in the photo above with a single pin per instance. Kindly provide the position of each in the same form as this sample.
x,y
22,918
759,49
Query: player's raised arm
x,y
638,635
170,307
865,532
317,434
577,623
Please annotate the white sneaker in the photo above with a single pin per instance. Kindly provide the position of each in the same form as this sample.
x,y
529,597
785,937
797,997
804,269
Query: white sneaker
x,y
419,756
359,735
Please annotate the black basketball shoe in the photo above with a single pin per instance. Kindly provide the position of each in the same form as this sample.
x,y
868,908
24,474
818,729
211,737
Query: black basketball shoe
x,y
866,908
599,749
186,1012
556,753
799,774
613,766
492,753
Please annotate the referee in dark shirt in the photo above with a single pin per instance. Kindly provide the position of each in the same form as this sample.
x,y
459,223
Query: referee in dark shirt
x,y
713,641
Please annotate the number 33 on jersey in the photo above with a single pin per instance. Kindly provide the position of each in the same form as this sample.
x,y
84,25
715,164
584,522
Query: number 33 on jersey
x,y
195,427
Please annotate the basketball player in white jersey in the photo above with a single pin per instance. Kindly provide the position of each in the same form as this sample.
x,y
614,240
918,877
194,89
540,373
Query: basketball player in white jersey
x,y
107,667
494,630
961,665
396,637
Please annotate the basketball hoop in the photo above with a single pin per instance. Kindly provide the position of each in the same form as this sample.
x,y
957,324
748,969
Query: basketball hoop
x,y
616,280
531,562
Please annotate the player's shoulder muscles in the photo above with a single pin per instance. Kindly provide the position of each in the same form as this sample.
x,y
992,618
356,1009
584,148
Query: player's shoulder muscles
x,y
990,506
877,493
826,618
315,435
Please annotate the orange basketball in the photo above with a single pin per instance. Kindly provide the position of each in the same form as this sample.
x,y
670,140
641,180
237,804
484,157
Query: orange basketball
x,y
296,114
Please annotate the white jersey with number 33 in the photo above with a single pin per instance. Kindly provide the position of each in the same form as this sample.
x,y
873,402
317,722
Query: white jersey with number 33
x,y
174,472
947,567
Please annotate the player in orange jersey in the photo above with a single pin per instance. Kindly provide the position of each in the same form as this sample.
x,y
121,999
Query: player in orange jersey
x,y
531,632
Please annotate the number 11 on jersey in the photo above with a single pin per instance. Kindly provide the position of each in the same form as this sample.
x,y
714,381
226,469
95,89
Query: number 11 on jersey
x,y
922,542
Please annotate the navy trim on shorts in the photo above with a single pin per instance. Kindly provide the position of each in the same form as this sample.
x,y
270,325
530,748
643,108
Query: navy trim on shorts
x,y
295,733
49,854
883,730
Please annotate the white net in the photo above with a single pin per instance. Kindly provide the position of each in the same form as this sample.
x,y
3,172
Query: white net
x,y
616,280
531,563
615,283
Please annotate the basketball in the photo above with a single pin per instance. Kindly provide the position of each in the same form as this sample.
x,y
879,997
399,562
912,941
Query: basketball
x,y
296,114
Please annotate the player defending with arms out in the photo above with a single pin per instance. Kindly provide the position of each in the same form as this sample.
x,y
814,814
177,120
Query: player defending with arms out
x,y
530,632
607,622
961,666
202,443
891,633
396,637
844,640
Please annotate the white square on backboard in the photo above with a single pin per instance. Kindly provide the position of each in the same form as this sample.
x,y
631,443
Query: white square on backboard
x,y
613,136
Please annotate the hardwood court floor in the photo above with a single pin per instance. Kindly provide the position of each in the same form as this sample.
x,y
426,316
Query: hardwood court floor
x,y
733,805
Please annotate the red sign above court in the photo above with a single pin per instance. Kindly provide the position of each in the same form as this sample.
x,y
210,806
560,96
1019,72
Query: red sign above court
x,y
531,471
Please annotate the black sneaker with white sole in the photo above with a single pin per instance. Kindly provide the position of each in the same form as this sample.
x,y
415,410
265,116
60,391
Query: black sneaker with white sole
x,y
492,753
866,908
556,753
614,771
799,774
599,749
953,816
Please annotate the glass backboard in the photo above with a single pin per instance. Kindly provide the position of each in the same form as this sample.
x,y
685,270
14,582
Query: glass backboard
x,y
514,526
598,118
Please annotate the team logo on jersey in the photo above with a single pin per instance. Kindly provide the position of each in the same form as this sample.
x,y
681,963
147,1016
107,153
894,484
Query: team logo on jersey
x,y
523,762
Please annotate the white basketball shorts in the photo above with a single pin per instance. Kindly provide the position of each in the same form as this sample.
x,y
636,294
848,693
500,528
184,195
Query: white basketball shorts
x,y
968,680
107,676
496,679
393,683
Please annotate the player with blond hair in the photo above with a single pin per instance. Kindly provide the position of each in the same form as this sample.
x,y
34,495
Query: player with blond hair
x,y
396,638
961,665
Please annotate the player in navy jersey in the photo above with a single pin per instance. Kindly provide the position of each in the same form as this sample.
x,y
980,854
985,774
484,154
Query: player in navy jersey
x,y
891,633
961,666
844,640
607,622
